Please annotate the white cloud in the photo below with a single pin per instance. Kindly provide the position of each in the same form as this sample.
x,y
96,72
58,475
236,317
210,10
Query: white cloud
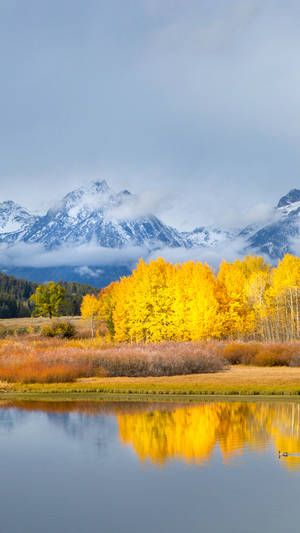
x,y
89,258
35,255
87,271
238,217
294,243
228,250
148,202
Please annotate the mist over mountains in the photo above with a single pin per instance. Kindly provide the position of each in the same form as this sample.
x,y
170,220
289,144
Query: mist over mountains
x,y
95,235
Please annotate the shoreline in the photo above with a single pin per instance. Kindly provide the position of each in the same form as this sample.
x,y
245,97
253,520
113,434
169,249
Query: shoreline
x,y
238,381
143,398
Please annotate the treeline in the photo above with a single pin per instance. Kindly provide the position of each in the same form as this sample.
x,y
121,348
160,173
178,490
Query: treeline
x,y
74,293
15,294
246,300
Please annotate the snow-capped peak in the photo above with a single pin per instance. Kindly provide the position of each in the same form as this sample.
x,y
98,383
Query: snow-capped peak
x,y
207,236
289,205
92,196
289,199
13,217
95,213
83,201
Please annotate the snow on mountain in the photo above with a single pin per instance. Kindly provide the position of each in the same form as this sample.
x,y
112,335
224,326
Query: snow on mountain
x,y
289,200
14,218
95,216
90,214
207,236
278,237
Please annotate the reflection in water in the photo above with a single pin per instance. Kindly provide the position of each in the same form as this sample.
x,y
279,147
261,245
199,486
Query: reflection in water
x,y
162,432
192,433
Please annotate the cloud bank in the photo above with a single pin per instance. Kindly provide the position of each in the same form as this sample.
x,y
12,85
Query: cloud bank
x,y
87,259
35,255
227,250
148,202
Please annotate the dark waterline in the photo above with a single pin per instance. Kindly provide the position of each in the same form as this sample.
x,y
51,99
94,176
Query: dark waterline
x,y
211,467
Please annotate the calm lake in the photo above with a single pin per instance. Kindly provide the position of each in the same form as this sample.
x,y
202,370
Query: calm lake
x,y
81,467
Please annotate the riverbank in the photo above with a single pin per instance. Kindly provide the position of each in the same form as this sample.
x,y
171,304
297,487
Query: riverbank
x,y
237,380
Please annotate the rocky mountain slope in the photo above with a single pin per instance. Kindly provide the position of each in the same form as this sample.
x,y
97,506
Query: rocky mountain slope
x,y
92,213
97,216
282,234
14,219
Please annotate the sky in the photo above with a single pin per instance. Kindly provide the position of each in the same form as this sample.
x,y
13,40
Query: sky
x,y
192,104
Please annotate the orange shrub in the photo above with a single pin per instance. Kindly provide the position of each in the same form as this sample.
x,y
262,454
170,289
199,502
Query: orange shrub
x,y
267,358
33,359
56,360
277,354
262,353
243,353
36,372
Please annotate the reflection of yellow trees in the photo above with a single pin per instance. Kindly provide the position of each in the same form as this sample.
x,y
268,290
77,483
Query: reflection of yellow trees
x,y
285,431
191,433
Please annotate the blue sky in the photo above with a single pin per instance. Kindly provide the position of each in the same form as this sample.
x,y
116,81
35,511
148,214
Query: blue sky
x,y
195,102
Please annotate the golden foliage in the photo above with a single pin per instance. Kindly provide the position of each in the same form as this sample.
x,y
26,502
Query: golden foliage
x,y
90,308
192,433
190,302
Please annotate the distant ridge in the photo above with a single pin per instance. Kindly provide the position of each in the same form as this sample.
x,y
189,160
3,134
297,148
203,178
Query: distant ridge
x,y
95,215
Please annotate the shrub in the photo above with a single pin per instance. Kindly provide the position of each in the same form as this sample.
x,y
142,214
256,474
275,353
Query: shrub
x,y
278,354
59,329
45,360
260,353
6,332
295,360
162,359
266,358
38,372
21,331
242,353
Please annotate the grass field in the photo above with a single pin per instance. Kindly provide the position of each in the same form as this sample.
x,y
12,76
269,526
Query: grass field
x,y
12,323
238,380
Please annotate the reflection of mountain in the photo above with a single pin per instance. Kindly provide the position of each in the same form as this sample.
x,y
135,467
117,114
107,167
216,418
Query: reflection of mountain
x,y
82,421
9,418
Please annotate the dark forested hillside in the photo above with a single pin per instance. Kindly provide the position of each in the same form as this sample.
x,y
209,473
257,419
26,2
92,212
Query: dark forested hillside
x,y
74,294
15,293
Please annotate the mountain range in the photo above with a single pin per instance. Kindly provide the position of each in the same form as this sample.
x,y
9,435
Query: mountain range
x,y
96,214
94,235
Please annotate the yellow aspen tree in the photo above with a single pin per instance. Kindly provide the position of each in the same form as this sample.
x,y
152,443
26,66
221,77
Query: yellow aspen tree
x,y
256,290
107,303
90,310
123,314
181,303
233,279
161,301
201,306
284,296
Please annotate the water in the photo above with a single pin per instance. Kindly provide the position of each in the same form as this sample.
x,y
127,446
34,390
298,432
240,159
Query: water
x,y
211,467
